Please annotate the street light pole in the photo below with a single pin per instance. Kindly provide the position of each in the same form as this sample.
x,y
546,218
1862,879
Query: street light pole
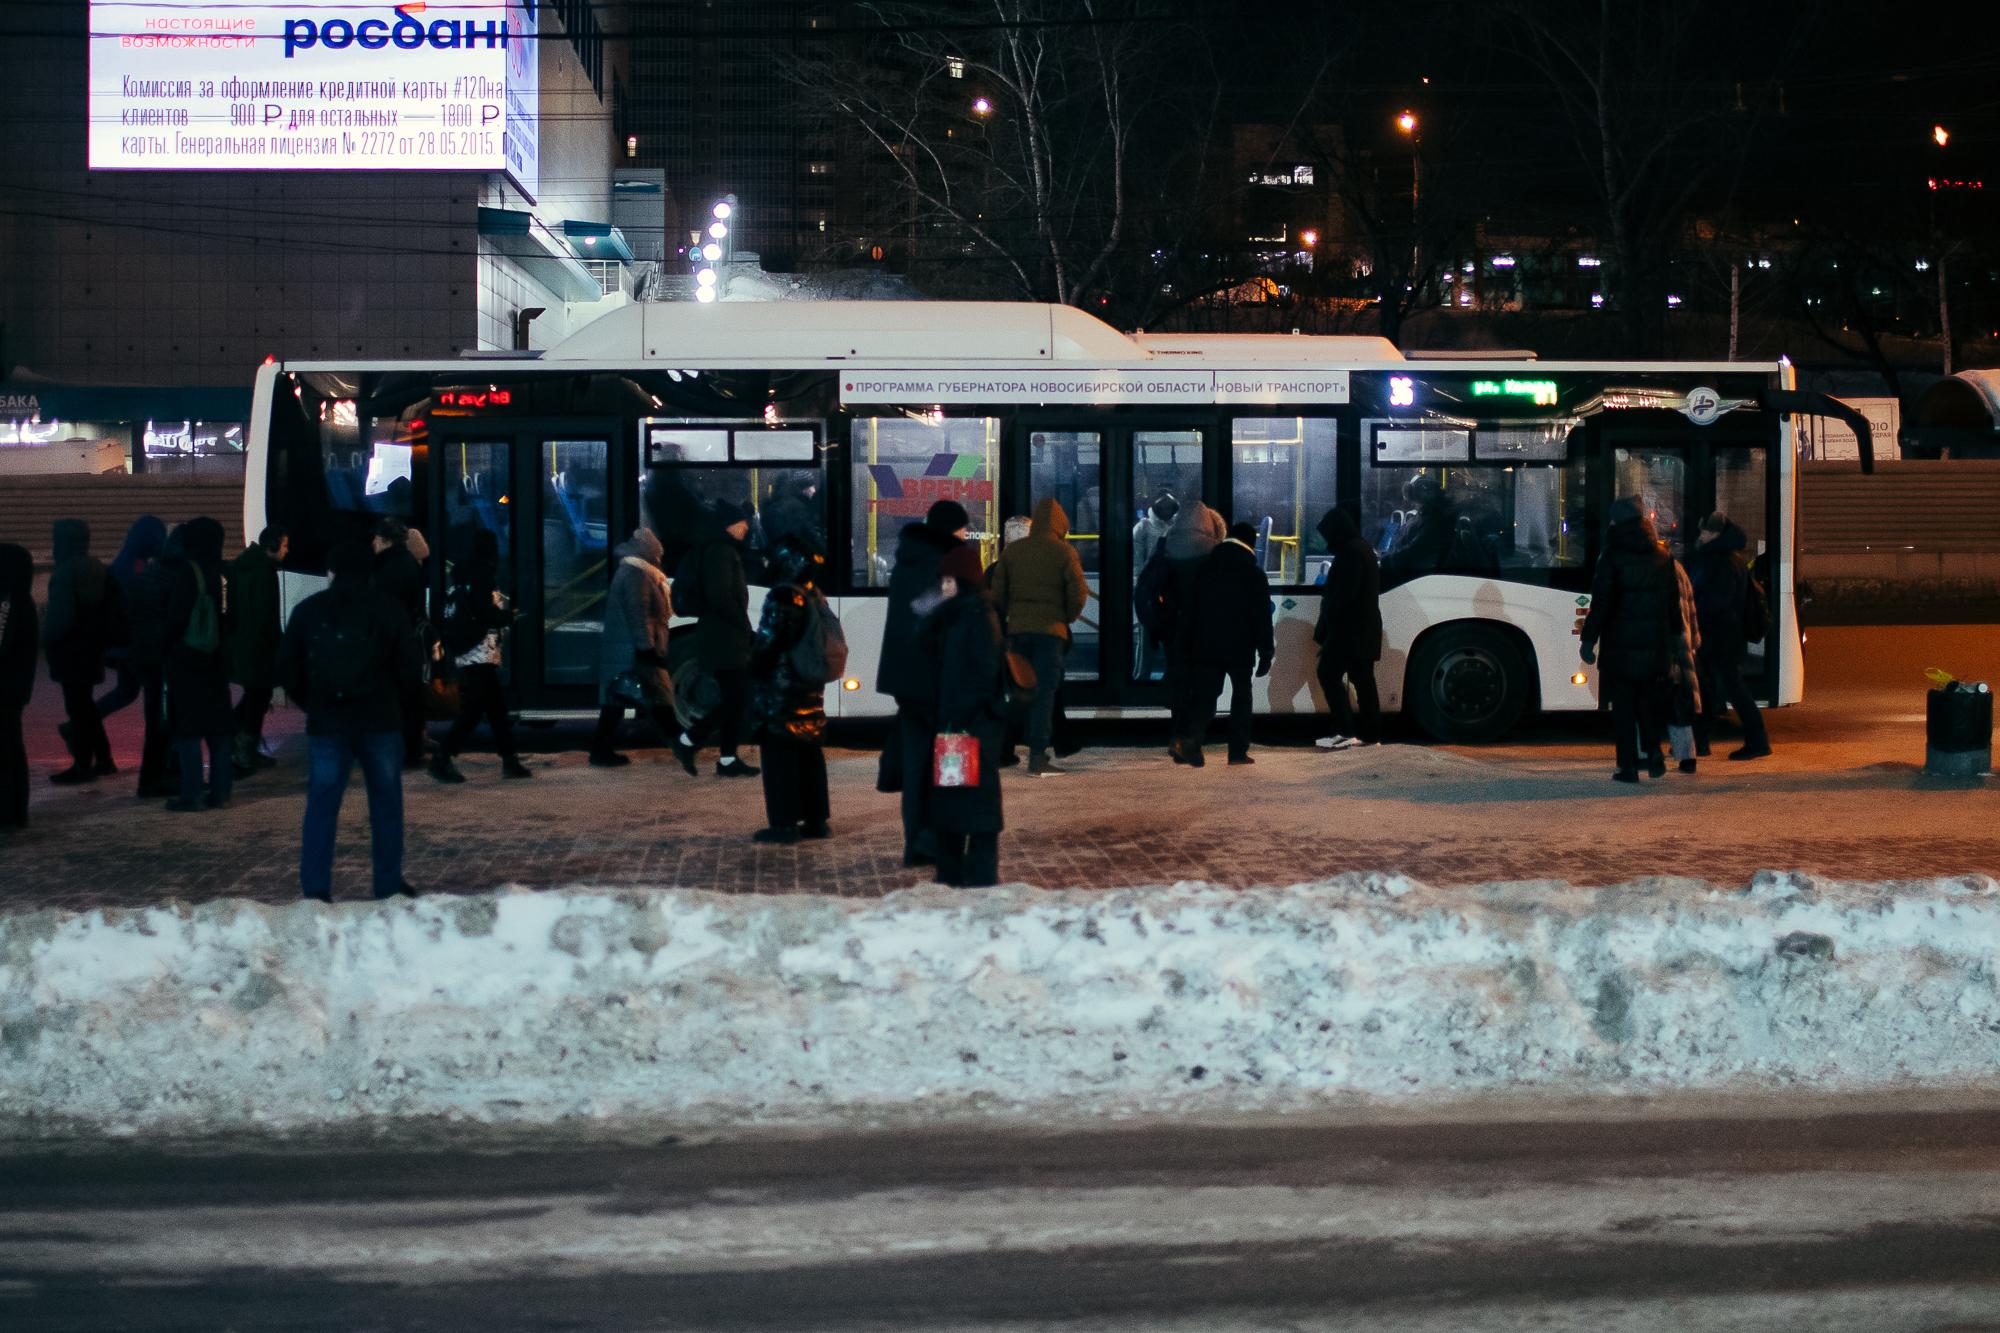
x,y
1941,137
1407,123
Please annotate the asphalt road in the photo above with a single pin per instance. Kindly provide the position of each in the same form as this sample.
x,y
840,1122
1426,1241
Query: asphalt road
x,y
1828,1216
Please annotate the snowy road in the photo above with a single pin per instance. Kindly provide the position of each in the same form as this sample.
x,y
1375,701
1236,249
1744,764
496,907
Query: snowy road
x,y
1849,1215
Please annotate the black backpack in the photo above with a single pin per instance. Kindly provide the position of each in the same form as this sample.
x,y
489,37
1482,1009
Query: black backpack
x,y
1153,599
686,589
340,656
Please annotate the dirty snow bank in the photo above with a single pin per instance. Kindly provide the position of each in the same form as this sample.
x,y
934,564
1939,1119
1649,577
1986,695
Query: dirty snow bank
x,y
700,1008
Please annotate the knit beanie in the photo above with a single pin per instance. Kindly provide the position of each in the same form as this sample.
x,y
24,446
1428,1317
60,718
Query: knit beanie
x,y
961,562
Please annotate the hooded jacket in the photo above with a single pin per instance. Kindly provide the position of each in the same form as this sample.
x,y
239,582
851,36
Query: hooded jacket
x,y
919,550
785,705
1349,628
637,612
198,681
83,612
143,541
1634,603
1230,614
722,632
1195,531
1038,583
19,627
1721,578
254,604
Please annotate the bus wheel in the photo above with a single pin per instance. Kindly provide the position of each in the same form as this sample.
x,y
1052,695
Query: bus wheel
x,y
1468,683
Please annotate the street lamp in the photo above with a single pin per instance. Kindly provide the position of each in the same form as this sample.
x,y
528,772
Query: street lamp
x,y
982,107
1407,123
707,255
1941,135
1309,238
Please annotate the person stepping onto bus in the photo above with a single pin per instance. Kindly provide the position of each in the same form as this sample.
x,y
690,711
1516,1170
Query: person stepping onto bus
x,y
1729,602
637,614
920,550
400,553
1349,634
714,588
350,655
1230,637
958,688
82,623
1191,538
477,619
1038,591
20,643
1634,614
253,640
198,708
788,672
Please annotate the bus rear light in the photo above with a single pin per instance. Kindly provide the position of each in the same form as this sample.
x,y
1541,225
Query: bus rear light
x,y
850,684
1579,679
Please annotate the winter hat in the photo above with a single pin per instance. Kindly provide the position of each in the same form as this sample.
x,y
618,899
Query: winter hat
x,y
1165,508
70,538
961,562
1625,509
645,545
728,513
1244,533
947,517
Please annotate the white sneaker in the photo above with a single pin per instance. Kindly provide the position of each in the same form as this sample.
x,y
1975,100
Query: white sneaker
x,y
1350,743
1334,742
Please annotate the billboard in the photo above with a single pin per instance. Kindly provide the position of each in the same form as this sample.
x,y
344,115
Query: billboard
x,y
312,86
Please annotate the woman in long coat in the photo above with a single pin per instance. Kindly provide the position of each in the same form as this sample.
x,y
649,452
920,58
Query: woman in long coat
x,y
637,612
198,707
20,634
957,675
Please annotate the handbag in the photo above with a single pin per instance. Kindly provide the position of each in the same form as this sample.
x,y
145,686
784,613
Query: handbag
x,y
955,760
441,701
628,687
1020,671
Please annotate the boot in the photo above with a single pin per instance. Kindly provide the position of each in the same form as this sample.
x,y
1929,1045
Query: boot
x,y
512,767
1039,765
443,769
243,755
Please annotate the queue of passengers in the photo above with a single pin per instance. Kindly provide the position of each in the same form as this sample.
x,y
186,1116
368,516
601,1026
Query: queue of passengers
x,y
966,651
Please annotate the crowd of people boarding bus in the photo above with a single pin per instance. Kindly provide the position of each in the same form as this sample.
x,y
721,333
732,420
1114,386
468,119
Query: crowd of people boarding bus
x,y
973,657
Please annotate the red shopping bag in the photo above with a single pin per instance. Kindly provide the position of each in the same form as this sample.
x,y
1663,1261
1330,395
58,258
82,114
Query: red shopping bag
x,y
955,760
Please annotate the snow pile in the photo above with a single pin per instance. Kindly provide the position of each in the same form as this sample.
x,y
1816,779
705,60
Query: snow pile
x,y
701,1008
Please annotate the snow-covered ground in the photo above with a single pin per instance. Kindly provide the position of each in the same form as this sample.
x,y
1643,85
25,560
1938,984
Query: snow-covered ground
x,y
705,1009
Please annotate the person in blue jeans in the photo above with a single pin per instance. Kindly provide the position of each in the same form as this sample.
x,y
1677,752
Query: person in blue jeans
x,y
350,655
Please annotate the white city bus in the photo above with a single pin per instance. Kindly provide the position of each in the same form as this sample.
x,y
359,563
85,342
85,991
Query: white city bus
x,y
1483,484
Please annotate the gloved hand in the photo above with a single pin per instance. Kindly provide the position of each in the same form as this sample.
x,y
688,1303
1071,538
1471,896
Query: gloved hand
x,y
1588,652
1263,664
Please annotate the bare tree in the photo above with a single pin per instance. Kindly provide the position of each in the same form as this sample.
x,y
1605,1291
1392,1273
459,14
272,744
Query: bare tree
x,y
1026,147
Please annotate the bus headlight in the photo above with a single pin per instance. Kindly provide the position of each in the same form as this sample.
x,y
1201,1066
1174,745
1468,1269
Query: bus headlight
x,y
1579,679
850,684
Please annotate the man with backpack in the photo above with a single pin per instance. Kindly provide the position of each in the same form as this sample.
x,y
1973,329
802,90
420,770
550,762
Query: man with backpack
x,y
713,587
1229,635
350,656
1732,613
799,649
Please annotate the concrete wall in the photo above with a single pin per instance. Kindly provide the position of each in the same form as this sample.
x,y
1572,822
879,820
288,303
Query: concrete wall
x,y
1916,541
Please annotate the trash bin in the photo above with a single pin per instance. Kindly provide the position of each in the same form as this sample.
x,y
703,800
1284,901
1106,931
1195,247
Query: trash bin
x,y
1958,733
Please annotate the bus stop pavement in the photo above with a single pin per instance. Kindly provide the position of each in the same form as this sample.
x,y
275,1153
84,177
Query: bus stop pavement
x,y
1843,797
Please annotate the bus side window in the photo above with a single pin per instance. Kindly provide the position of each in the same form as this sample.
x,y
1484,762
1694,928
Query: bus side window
x,y
1283,480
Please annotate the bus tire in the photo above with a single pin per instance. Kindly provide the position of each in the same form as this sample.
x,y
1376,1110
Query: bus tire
x,y
1468,683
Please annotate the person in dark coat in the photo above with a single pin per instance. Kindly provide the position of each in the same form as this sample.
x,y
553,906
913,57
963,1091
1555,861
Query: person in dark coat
x,y
198,707
1721,576
82,623
478,619
399,571
1190,539
350,656
1228,621
20,643
146,644
1635,615
794,510
637,613
920,550
1349,633
956,686
253,640
1423,544
722,635
788,709
143,541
